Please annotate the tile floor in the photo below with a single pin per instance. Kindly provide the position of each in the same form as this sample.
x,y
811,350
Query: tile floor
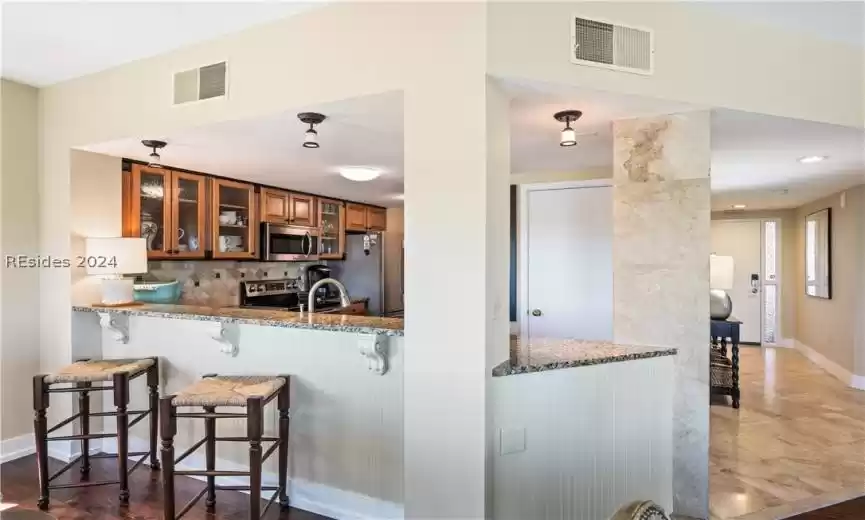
x,y
796,444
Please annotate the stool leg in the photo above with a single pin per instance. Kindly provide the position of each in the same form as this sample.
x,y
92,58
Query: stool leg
x,y
283,403
40,429
121,401
153,394
210,456
84,409
254,423
168,428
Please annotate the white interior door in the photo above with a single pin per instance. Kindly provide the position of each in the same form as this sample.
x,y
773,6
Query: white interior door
x,y
569,266
741,239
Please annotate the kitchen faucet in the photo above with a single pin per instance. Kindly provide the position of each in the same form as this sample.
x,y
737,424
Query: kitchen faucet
x,y
344,300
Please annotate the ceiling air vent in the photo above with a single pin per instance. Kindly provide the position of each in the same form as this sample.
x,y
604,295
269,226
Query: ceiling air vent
x,y
601,44
202,83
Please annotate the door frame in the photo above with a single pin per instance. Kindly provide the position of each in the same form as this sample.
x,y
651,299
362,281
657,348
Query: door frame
x,y
523,236
778,283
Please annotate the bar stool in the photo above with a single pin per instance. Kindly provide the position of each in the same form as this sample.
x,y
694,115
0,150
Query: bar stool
x,y
250,392
82,374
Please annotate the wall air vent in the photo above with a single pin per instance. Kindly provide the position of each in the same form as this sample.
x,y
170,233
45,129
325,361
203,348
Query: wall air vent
x,y
598,43
201,83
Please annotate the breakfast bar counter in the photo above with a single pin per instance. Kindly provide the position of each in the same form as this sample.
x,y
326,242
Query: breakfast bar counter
x,y
264,317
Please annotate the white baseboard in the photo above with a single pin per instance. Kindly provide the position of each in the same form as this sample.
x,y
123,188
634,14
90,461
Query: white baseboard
x,y
16,447
23,445
303,494
783,343
848,378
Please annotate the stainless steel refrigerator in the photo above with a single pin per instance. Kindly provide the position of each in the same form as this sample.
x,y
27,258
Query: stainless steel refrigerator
x,y
362,274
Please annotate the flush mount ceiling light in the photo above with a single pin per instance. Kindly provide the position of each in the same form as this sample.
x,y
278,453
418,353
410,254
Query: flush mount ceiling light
x,y
569,137
359,173
811,159
155,158
310,137
739,206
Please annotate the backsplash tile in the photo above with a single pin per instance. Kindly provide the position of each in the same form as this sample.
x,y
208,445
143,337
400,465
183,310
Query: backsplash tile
x,y
218,282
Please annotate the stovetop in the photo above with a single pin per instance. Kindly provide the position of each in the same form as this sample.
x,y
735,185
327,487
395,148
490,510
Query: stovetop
x,y
280,294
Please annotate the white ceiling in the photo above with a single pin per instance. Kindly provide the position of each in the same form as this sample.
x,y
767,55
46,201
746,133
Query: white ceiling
x,y
366,131
754,156
49,42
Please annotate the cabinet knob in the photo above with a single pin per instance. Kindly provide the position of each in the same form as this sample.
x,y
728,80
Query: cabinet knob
x,y
536,312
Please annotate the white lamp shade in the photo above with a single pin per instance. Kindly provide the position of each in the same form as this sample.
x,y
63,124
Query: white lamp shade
x,y
721,272
113,256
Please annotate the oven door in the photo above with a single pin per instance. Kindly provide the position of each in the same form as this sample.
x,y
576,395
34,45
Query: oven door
x,y
288,243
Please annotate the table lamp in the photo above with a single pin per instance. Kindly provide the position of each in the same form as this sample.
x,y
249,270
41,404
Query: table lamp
x,y
720,281
111,258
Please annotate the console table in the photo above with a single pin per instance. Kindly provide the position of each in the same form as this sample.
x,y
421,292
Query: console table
x,y
721,332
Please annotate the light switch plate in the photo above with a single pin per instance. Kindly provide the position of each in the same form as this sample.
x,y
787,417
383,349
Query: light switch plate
x,y
512,440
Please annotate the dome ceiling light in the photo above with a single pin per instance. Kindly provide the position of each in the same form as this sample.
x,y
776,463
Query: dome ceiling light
x,y
569,136
310,137
360,173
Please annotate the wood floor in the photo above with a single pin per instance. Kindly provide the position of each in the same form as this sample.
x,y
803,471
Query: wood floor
x,y
796,444
19,486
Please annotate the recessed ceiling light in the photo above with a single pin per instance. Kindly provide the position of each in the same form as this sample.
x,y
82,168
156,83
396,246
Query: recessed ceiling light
x,y
739,206
359,173
811,159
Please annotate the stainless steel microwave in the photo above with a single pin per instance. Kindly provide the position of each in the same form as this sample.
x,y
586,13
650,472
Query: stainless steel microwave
x,y
288,243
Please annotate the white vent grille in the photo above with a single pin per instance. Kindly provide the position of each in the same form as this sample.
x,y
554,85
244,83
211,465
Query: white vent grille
x,y
599,43
202,83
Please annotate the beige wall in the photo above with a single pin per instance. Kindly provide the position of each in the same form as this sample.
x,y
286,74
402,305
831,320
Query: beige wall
x,y
19,234
833,327
393,261
789,261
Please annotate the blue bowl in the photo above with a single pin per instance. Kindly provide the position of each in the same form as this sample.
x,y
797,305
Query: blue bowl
x,y
157,292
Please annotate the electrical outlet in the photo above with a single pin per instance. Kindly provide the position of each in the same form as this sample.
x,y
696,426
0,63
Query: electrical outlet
x,y
512,440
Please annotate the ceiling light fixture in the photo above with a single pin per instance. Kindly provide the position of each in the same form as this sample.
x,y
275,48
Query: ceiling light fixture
x,y
569,136
811,159
739,206
155,158
310,137
359,173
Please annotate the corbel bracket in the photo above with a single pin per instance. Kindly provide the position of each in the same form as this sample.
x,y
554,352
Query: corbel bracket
x,y
374,348
117,324
228,337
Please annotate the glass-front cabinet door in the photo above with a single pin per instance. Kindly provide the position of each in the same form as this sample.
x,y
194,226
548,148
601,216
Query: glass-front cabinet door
x,y
331,219
149,214
233,220
188,215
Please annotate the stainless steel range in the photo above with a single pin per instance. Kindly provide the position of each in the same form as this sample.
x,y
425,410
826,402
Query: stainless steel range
x,y
284,294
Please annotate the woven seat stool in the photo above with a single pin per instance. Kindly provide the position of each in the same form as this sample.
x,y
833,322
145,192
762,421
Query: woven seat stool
x,y
81,377
210,392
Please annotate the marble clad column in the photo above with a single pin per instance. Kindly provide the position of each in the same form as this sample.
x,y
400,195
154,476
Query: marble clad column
x,y
661,247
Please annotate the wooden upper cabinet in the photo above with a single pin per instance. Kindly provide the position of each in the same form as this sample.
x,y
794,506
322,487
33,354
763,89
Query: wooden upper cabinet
x,y
331,224
167,209
359,217
274,206
234,220
302,211
376,219
355,217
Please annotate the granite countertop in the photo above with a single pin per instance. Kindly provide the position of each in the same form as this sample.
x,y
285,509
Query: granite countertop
x,y
551,354
268,318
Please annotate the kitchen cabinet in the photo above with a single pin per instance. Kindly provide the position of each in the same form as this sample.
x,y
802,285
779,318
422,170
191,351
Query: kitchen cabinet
x,y
360,217
302,211
376,219
233,219
331,219
274,206
168,209
283,207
